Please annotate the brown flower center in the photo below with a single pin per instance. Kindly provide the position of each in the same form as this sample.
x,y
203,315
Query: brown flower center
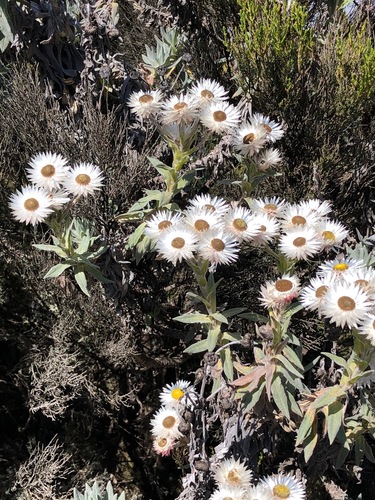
x,y
346,303
361,283
281,491
201,225
219,116
48,171
146,99
162,442
300,241
270,207
83,179
263,229
217,244
31,204
321,291
180,105
178,243
207,94
248,138
210,208
234,477
164,224
169,422
298,220
373,324
283,285
239,224
267,128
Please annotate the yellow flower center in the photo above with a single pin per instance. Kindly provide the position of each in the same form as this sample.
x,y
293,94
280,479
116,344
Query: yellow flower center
x,y
248,138
201,225
281,491
207,94
346,303
83,179
321,291
169,422
298,220
267,128
162,442
299,242
234,477
239,224
270,207
180,105
178,243
177,393
219,116
283,285
48,171
31,204
341,266
217,244
146,99
328,235
164,224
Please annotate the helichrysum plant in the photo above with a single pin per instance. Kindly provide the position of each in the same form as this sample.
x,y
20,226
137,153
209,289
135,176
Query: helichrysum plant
x,y
94,493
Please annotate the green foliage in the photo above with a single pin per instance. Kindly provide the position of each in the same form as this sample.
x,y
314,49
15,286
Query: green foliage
x,y
6,29
93,493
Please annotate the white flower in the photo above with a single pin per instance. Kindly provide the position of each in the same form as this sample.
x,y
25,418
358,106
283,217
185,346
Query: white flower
x,y
217,247
233,473
312,296
58,198
161,221
206,91
30,205
269,229
367,327
165,424
273,207
268,158
249,139
297,215
285,487
202,219
205,201
228,493
179,109
300,243
260,492
317,207
163,445
346,305
364,277
220,117
240,223
336,268
331,233
281,292
181,393
47,170
273,129
177,243
146,104
84,179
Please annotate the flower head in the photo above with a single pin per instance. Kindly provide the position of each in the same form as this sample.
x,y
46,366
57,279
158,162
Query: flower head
x,y
30,205
330,233
206,91
273,207
249,139
204,201
233,473
180,109
281,292
202,219
177,243
47,170
367,327
181,393
165,424
240,223
335,269
218,247
312,296
273,129
146,104
260,492
269,229
58,198
163,445
220,117
268,158
84,179
297,216
161,221
285,487
300,243
228,493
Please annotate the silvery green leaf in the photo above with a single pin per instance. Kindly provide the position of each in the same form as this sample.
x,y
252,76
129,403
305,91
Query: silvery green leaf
x,y
81,280
193,318
97,274
57,270
52,248
6,34
200,346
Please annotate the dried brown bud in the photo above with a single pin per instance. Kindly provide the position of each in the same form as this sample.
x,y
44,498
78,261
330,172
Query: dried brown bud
x,y
202,465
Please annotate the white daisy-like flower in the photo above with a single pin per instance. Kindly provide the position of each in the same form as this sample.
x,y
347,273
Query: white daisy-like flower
x,y
181,393
317,207
163,445
233,473
260,492
285,487
83,179
146,104
269,229
179,109
220,117
58,198
367,327
274,207
213,203
297,215
30,205
161,221
202,219
47,171
217,247
336,268
249,139
273,129
276,294
165,424
240,223
346,305
300,243
228,493
364,277
312,296
268,158
206,91
177,243
331,233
